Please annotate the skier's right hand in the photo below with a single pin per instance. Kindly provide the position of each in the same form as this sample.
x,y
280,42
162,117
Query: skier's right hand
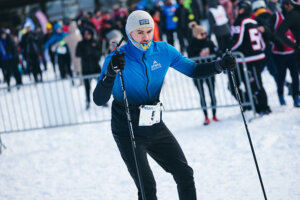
x,y
116,64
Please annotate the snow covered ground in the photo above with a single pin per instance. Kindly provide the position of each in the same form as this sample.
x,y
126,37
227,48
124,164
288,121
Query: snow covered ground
x,y
82,162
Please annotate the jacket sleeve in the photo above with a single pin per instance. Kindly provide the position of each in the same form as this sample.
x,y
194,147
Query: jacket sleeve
x,y
103,89
282,29
190,68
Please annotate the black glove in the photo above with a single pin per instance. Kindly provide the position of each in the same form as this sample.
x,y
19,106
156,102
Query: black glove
x,y
228,62
116,64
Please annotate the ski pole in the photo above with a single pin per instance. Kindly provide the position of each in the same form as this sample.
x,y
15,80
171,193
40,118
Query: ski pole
x,y
132,138
246,127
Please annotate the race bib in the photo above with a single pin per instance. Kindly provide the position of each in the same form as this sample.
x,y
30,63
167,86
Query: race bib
x,y
150,114
61,50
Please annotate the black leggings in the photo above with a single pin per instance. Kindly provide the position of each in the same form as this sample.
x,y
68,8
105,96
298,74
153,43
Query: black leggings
x,y
285,62
210,82
164,149
10,67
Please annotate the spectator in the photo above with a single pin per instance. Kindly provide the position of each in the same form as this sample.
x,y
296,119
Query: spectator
x,y
182,18
61,50
89,50
72,40
246,35
285,58
168,12
113,38
107,24
202,46
46,37
97,20
291,22
219,24
262,16
119,17
273,5
9,59
228,6
31,52
156,19
198,8
234,10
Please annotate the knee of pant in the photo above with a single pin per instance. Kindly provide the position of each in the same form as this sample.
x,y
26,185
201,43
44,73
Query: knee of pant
x,y
185,176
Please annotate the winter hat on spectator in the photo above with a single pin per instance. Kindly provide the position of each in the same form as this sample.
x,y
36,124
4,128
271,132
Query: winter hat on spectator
x,y
138,19
88,31
258,4
196,29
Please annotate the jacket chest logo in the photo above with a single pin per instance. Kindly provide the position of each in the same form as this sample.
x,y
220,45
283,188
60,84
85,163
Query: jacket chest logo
x,y
155,65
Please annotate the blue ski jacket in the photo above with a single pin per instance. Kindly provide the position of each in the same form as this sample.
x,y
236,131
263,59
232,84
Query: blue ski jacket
x,y
144,73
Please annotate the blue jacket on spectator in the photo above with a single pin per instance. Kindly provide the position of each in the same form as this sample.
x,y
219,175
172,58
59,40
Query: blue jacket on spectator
x,y
56,37
169,12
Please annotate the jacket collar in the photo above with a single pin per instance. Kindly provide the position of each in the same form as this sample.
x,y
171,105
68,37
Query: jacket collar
x,y
137,54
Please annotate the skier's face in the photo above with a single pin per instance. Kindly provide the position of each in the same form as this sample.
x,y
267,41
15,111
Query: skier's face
x,y
142,35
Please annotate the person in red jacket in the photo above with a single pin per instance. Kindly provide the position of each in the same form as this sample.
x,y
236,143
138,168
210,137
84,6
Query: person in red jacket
x,y
285,58
156,19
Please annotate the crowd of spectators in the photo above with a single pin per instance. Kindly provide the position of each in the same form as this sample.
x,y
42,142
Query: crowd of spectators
x,y
74,47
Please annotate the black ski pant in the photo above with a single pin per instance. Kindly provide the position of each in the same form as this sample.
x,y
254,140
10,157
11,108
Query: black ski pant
x,y
210,82
170,36
64,64
270,62
285,62
10,67
258,92
33,65
159,143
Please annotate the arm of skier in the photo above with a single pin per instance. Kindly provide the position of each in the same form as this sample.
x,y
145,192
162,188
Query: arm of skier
x,y
112,65
200,70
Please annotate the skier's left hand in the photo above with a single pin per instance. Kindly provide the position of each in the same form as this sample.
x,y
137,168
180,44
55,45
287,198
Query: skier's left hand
x,y
228,62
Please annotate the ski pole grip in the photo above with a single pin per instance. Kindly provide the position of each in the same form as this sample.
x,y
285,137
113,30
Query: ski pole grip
x,y
118,45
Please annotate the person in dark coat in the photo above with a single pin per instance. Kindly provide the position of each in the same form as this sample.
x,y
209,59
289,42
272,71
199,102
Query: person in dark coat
x,y
89,50
263,16
201,45
9,59
31,53
183,33
219,24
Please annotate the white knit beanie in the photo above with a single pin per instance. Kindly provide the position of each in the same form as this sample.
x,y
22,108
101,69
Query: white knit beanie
x,y
138,19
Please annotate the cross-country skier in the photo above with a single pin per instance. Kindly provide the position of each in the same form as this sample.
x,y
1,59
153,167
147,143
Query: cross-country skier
x,y
144,64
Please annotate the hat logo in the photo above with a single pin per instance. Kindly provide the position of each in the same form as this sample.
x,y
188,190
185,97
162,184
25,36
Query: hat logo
x,y
144,21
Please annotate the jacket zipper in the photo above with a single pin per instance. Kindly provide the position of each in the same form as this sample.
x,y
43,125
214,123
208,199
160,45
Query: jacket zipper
x,y
146,75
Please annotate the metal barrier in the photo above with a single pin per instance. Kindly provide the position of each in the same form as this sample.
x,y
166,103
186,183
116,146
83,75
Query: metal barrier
x,y
62,102
184,96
